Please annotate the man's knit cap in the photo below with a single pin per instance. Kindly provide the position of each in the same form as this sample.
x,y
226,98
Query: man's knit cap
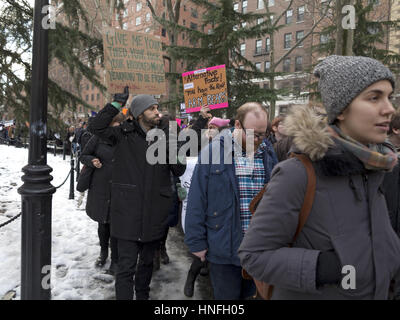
x,y
141,103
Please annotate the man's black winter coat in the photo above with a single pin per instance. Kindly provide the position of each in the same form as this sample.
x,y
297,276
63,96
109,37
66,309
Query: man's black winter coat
x,y
141,194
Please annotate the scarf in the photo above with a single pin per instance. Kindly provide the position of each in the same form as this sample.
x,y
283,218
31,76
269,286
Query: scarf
x,y
374,157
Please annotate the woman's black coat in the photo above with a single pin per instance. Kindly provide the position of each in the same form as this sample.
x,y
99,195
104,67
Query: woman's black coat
x,y
99,196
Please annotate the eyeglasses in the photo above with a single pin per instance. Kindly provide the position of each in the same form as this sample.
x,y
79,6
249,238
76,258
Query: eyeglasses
x,y
257,136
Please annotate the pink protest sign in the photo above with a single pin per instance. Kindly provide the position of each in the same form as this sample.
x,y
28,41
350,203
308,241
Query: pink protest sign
x,y
205,87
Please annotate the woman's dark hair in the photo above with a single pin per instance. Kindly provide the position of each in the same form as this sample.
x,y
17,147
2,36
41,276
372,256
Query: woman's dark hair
x,y
395,122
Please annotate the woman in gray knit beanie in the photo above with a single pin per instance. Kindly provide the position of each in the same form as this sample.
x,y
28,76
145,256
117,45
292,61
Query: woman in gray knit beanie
x,y
343,79
347,248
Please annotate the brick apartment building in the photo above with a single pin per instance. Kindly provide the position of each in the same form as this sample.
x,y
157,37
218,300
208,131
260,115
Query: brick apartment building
x,y
297,22
136,17
394,43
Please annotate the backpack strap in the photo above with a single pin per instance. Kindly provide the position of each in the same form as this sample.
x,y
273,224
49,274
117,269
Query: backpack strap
x,y
256,200
310,192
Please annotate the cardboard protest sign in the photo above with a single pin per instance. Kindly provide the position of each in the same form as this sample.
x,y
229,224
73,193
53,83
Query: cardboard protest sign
x,y
133,59
205,87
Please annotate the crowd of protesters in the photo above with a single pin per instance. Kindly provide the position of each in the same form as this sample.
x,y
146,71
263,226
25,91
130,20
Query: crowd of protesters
x,y
352,145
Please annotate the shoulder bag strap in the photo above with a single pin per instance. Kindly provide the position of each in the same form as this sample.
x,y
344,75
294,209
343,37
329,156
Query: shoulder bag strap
x,y
310,192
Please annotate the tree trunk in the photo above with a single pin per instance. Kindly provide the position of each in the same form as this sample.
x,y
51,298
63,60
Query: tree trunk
x,y
272,77
350,38
339,29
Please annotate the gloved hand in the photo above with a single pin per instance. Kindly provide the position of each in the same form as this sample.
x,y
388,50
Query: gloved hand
x,y
122,98
182,193
329,269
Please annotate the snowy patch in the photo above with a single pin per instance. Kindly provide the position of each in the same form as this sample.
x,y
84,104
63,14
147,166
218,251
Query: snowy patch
x,y
75,244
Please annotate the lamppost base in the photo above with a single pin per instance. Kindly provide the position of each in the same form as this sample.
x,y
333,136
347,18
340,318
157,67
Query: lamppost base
x,y
36,195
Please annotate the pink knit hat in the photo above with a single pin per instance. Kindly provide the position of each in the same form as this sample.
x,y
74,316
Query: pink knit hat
x,y
219,122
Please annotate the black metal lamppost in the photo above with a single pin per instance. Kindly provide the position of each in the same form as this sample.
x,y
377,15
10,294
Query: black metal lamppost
x,y
37,191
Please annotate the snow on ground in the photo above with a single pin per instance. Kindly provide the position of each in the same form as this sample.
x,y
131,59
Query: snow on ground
x,y
75,244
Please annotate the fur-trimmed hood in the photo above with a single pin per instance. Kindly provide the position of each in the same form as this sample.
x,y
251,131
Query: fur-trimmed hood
x,y
309,131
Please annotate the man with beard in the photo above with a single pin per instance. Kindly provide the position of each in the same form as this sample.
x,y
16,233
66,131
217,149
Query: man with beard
x,y
141,194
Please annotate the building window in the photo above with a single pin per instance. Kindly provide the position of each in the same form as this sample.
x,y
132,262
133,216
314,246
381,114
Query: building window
x,y
271,17
125,26
286,65
193,26
258,46
138,6
323,38
260,4
92,96
241,67
298,66
184,7
163,32
147,30
183,36
236,6
297,87
372,30
289,15
138,21
271,3
98,96
300,13
87,97
267,66
148,17
243,49
87,87
194,13
125,14
288,41
267,45
258,66
283,110
260,20
184,22
299,36
244,6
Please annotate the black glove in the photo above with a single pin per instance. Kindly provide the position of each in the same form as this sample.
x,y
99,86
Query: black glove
x,y
329,269
122,98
